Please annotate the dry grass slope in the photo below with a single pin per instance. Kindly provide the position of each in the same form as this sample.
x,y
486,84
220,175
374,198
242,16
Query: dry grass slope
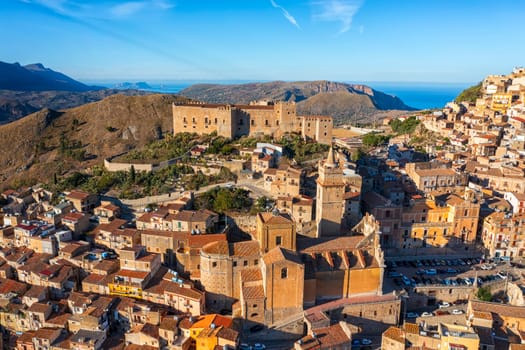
x,y
104,128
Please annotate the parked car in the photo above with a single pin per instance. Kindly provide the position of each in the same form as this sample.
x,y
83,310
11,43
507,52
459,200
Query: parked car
x,y
443,305
244,346
366,341
427,314
431,272
502,275
457,312
259,346
412,315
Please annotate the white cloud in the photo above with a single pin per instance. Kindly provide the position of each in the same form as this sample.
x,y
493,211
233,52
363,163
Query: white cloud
x,y
342,11
101,10
286,14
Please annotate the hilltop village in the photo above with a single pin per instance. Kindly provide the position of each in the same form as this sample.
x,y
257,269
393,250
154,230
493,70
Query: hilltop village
x,y
405,235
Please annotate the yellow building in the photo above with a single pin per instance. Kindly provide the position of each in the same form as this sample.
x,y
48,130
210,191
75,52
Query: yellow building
x,y
275,229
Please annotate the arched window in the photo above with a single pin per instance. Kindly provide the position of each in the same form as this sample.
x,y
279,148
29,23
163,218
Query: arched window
x,y
284,272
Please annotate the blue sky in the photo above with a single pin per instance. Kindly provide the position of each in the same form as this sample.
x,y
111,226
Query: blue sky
x,y
343,40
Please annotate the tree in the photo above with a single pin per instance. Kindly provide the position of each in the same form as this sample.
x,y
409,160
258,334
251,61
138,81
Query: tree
x,y
357,154
484,294
132,174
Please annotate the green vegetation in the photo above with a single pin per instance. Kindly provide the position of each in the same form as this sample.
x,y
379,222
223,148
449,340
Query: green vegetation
x,y
221,200
374,139
470,94
70,149
130,184
357,154
170,147
199,180
220,145
408,126
484,294
294,147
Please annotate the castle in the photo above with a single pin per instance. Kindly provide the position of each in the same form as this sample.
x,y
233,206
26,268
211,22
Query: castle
x,y
233,121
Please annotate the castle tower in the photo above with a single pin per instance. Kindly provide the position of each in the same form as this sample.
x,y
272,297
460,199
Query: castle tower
x,y
330,192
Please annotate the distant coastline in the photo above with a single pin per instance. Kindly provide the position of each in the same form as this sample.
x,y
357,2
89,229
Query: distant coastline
x,y
418,95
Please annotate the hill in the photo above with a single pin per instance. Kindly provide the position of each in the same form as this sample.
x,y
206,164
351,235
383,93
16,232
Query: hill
x,y
36,77
16,104
48,142
345,102
470,94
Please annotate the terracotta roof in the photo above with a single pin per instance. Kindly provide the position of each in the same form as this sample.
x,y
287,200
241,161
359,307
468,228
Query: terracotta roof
x,y
192,293
351,195
94,278
133,273
46,333
39,307
8,285
396,334
333,244
246,248
198,241
253,292
280,254
501,310
483,315
228,334
169,323
251,274
328,337
411,328
73,216
206,320
148,329
35,291
75,194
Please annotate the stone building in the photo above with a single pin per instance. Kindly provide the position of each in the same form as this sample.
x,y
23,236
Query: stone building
x,y
233,121
274,230
435,176
330,197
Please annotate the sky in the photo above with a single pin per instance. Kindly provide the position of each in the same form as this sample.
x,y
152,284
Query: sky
x,y
442,41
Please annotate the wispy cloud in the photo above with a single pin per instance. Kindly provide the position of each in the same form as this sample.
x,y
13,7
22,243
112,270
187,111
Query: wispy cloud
x,y
342,11
286,14
101,10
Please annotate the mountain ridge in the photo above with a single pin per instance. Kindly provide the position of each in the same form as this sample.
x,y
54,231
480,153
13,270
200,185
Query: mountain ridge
x,y
336,96
36,77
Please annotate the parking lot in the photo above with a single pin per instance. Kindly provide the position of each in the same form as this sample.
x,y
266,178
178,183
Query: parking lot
x,y
409,274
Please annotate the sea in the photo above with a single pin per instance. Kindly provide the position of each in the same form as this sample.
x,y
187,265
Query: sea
x,y
416,95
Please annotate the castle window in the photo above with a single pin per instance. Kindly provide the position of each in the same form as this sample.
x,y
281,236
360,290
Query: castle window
x,y
387,213
325,134
214,264
185,120
253,122
193,120
284,272
277,122
266,122
245,263
206,120
215,120
278,240
256,262
234,263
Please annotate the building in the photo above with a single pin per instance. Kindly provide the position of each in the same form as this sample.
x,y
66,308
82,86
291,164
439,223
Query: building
x,y
435,176
233,121
335,337
502,234
82,201
330,197
275,229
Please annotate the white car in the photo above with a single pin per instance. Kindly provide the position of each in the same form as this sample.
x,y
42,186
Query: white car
x,y
258,346
502,275
443,305
457,312
427,314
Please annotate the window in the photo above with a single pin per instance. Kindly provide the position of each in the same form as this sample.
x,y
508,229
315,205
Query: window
x,y
256,262
387,213
266,122
241,121
214,264
253,122
245,263
278,240
284,272
234,263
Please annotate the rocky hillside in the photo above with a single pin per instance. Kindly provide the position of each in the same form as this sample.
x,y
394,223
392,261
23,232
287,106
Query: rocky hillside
x,y
16,104
48,142
345,102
